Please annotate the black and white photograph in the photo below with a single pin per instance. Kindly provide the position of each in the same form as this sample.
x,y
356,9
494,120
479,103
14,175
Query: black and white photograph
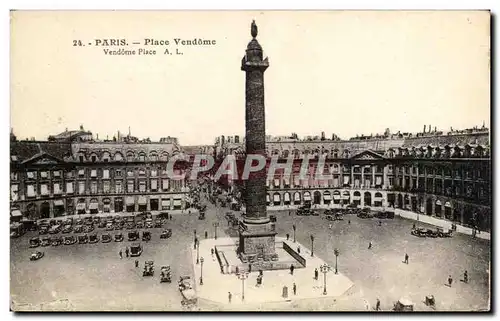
x,y
230,161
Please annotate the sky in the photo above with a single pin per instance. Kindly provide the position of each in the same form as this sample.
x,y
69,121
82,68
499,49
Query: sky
x,y
342,72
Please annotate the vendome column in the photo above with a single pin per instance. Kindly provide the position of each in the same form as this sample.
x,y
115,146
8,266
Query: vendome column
x,y
256,233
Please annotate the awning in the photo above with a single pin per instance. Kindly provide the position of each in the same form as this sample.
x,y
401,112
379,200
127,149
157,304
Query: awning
x,y
142,200
296,197
327,196
129,200
276,197
356,197
106,201
336,196
177,202
287,197
93,206
438,202
307,197
378,196
80,206
165,202
447,204
346,196
58,203
16,213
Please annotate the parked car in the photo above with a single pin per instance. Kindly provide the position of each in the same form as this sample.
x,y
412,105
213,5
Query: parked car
x,y
146,236
165,234
133,236
56,241
83,239
54,229
403,305
165,274
35,242
109,226
46,241
149,269
69,240
67,229
43,229
35,256
149,223
106,238
135,250
119,237
93,239
139,224
78,229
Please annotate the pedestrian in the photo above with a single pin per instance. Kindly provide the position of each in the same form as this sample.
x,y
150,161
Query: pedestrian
x,y
330,226
349,221
229,296
287,236
466,277
379,223
316,273
377,306
136,263
121,255
294,289
250,268
212,251
289,213
370,245
298,249
450,281
126,251
291,269
237,270
206,234
414,226
406,258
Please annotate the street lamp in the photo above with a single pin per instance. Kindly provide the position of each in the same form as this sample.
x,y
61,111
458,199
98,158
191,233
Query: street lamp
x,y
312,245
201,276
325,268
294,228
242,276
337,253
197,255
215,225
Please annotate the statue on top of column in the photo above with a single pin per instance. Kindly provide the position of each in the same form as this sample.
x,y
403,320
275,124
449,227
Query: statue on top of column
x,y
254,29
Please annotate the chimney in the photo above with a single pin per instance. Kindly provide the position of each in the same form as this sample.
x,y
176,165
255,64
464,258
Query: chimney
x,y
425,126
435,129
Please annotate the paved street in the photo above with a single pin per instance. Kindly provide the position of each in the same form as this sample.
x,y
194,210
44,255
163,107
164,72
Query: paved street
x,y
93,277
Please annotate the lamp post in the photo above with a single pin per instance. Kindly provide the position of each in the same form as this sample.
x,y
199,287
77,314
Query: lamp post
x,y
337,253
197,255
201,275
294,228
312,245
325,268
215,226
242,276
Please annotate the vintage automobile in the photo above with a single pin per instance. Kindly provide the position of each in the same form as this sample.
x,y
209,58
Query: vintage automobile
x,y
133,236
96,220
35,242
365,214
35,256
54,229
88,228
83,239
149,269
109,226
420,232
149,223
93,238
201,216
79,221
431,233
165,234
130,223
69,240
330,218
78,229
441,233
102,224
106,238
139,224
56,241
403,305
46,241
158,223
43,229
118,226
119,237
117,219
146,236
165,274
67,229
135,249
163,216
187,291
148,215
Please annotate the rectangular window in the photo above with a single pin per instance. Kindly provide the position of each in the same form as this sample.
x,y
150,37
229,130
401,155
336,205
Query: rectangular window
x,y
43,174
31,175
118,173
57,189
81,187
57,174
165,184
69,174
118,187
44,190
14,192
105,173
154,185
93,173
105,186
30,191
142,172
130,173
93,187
142,186
276,182
154,173
130,186
69,187
81,172
13,176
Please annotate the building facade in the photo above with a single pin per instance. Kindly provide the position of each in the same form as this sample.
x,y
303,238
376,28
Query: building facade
x,y
443,175
53,179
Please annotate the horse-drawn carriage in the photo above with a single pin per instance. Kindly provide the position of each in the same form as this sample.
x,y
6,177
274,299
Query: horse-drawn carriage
x,y
165,274
187,291
149,269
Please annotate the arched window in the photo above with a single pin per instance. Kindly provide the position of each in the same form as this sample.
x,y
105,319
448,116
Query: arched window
x,y
153,156
118,157
130,156
142,157
106,157
286,153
